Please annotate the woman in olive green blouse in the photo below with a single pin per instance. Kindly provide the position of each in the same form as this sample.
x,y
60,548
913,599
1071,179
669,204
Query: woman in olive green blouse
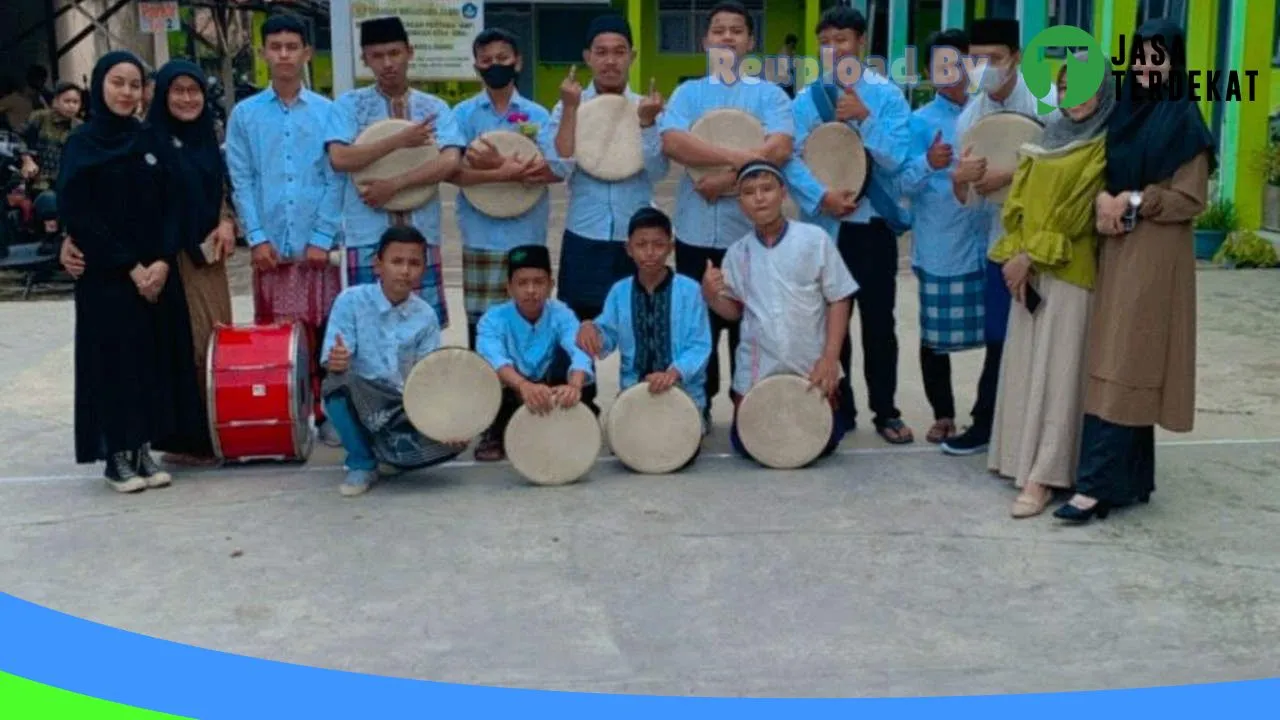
x,y
1049,255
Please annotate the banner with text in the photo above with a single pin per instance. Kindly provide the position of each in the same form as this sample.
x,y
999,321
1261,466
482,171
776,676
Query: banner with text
x,y
440,31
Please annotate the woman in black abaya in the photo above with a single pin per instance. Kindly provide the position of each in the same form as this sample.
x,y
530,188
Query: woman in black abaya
x,y
135,376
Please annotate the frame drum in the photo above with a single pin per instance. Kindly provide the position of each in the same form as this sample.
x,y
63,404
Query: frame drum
x,y
553,449
784,423
607,143
452,394
998,137
507,199
396,163
727,128
654,434
837,158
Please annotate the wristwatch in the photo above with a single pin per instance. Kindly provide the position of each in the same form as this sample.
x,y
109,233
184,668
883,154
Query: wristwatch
x,y
1135,201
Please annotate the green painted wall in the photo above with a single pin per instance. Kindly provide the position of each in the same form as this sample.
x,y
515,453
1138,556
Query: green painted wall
x,y
1251,118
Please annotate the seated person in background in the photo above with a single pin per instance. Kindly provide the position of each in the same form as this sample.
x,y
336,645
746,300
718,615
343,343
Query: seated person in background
x,y
376,334
656,319
792,291
530,340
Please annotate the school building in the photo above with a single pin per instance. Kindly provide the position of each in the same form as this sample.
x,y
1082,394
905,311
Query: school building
x,y
1222,35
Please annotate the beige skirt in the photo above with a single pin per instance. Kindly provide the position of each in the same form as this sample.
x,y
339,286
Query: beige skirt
x,y
209,304
1036,431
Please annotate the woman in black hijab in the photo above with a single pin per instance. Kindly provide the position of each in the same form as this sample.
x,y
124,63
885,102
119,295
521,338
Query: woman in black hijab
x,y
135,378
1142,337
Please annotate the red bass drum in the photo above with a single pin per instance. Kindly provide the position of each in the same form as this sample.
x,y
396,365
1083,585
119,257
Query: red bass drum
x,y
260,405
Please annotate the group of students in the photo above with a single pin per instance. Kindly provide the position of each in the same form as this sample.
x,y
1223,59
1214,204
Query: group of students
x,y
1080,286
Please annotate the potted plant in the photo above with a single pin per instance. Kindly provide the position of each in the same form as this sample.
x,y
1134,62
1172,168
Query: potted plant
x,y
1245,249
1212,227
1271,191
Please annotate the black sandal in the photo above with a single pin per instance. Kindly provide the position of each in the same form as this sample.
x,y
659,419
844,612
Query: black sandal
x,y
902,434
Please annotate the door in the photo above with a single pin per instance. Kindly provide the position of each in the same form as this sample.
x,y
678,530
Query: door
x,y
517,19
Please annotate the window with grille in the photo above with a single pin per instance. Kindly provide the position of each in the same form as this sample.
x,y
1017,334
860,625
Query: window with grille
x,y
683,23
1175,10
1077,13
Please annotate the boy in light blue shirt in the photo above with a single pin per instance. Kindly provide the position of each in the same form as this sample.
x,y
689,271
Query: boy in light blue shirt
x,y
377,332
656,319
531,342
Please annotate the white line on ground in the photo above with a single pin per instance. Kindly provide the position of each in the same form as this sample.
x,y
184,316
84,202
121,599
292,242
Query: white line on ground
x,y
283,469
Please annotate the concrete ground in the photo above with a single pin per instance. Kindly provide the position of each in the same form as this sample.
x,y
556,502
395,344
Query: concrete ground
x,y
882,571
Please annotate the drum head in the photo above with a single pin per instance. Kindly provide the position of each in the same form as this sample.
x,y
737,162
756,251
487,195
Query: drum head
x,y
997,137
784,423
607,144
654,433
507,199
396,163
452,394
553,449
728,128
835,154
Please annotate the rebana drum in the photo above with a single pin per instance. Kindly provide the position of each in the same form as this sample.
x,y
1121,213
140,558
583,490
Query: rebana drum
x,y
259,387
553,449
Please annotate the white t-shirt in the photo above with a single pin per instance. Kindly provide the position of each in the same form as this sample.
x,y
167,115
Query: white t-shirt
x,y
785,290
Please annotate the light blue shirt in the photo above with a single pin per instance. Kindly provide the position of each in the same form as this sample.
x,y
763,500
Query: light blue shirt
x,y
886,133
598,209
385,340
505,338
477,116
690,334
719,224
283,187
352,113
947,238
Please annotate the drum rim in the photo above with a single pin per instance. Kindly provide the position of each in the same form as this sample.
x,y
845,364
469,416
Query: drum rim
x,y
783,377
210,399
595,456
452,349
643,386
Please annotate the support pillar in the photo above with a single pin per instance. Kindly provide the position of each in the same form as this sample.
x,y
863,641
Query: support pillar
x,y
1245,123
952,14
1033,16
343,46
898,20
635,17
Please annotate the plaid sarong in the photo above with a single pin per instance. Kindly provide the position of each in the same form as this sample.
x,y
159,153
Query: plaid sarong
x,y
952,316
379,412
360,272
484,280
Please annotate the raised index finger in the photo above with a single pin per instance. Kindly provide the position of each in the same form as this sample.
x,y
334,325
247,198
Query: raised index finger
x,y
653,86
573,71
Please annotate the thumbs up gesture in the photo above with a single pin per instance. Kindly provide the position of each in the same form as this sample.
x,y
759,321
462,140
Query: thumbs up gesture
x,y
850,106
970,169
570,89
939,154
650,105
339,356
713,282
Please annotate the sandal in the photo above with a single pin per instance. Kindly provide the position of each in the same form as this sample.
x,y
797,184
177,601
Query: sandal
x,y
941,430
895,432
490,450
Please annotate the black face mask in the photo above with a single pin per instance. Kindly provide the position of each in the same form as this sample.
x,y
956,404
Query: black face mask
x,y
497,76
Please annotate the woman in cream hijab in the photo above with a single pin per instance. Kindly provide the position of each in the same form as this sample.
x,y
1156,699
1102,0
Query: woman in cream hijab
x,y
1048,253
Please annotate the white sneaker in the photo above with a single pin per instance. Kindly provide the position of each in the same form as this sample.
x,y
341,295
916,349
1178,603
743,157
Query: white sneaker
x,y
357,482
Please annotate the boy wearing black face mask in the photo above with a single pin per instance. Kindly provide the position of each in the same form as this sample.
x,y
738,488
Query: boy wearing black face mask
x,y
487,240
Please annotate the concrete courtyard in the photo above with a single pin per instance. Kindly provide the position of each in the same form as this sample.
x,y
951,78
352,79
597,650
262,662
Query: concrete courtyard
x,y
881,571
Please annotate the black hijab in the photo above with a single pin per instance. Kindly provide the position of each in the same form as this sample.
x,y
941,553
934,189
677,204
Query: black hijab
x,y
191,149
106,137
1149,138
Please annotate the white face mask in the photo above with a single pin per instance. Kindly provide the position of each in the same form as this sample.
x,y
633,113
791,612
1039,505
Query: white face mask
x,y
992,77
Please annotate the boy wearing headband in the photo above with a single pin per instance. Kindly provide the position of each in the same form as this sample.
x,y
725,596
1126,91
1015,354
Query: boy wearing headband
x,y
385,49
593,254
707,221
786,283
376,334
656,319
531,342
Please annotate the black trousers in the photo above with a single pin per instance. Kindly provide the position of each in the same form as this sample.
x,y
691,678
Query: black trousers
x,y
1117,462
935,368
587,312
691,261
870,251
557,374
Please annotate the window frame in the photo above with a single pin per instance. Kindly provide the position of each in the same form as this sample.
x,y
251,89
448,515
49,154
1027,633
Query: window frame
x,y
693,13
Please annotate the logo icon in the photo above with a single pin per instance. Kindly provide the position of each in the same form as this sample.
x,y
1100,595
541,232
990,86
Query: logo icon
x,y
469,11
1083,78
